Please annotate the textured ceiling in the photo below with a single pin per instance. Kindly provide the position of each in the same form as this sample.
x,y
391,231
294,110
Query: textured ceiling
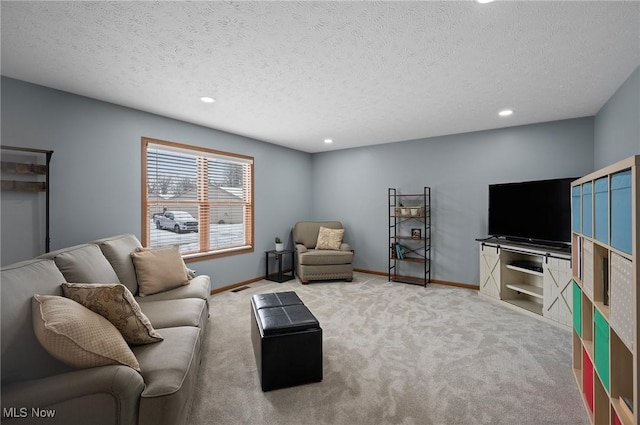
x,y
362,73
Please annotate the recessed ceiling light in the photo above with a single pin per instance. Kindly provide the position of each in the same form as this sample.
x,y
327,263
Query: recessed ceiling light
x,y
328,141
484,1
505,113
207,99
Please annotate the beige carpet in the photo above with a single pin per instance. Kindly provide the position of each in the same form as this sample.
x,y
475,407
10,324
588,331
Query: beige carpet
x,y
394,354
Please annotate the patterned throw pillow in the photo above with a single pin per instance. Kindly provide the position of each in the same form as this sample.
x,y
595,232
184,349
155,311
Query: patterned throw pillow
x,y
115,303
329,238
76,335
159,270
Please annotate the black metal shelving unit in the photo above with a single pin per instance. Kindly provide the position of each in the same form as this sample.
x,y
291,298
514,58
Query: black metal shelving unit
x,y
410,237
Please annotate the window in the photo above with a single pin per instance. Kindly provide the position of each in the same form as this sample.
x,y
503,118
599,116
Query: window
x,y
198,199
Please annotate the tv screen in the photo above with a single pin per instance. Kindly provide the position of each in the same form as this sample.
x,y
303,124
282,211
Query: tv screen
x,y
535,211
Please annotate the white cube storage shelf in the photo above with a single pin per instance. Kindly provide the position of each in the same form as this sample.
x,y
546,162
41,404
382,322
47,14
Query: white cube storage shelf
x,y
622,298
606,297
587,276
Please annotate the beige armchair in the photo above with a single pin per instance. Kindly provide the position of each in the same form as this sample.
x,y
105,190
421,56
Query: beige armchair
x,y
312,263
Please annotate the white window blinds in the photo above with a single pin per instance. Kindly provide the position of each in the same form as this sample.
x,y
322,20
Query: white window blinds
x,y
197,199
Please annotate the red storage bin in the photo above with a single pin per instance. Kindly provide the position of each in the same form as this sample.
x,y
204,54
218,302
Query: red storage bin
x,y
616,419
587,379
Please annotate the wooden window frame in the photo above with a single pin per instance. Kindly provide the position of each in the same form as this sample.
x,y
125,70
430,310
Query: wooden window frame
x,y
202,200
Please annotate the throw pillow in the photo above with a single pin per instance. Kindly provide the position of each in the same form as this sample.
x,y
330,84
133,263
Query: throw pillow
x,y
159,270
191,274
76,335
329,238
115,303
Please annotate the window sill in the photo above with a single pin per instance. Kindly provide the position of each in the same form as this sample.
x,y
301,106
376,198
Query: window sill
x,y
189,258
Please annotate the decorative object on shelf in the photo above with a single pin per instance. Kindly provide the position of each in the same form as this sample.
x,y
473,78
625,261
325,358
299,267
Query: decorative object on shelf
x,y
27,184
605,244
279,244
410,247
401,211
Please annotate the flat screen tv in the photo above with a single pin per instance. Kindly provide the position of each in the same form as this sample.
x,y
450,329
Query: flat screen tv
x,y
534,211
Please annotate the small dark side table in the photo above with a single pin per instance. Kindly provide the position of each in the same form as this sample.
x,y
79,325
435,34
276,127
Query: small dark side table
x,y
279,275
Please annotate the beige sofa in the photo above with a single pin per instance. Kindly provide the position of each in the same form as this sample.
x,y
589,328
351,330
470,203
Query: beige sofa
x,y
320,264
161,393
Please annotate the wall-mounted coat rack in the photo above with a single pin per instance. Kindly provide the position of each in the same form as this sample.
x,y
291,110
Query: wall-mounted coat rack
x,y
23,169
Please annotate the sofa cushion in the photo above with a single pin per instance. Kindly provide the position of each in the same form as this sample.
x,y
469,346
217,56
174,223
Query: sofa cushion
x,y
169,369
76,335
325,257
198,287
329,238
115,303
159,270
174,313
118,249
83,263
23,357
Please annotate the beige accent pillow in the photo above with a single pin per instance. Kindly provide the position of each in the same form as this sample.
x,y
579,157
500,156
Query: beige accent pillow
x,y
159,270
115,303
329,238
76,335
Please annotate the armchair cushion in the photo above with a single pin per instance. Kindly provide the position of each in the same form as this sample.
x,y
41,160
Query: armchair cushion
x,y
329,238
345,247
326,257
306,232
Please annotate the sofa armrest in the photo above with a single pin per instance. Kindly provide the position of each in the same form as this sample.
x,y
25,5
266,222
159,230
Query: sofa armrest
x,y
107,394
345,247
301,249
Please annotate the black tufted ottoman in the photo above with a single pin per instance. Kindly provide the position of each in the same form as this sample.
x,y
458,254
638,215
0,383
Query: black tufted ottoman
x,y
287,341
276,299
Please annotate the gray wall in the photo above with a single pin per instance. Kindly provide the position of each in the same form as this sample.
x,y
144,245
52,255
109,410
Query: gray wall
x,y
351,185
617,124
95,175
97,155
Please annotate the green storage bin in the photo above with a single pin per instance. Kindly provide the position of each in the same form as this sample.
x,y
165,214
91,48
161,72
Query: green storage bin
x,y
577,309
601,343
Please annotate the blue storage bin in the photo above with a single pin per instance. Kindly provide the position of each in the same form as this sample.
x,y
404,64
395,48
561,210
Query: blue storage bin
x,y
621,211
576,223
587,209
601,210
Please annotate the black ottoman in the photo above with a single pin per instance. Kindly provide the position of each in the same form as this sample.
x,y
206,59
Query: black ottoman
x,y
287,343
276,299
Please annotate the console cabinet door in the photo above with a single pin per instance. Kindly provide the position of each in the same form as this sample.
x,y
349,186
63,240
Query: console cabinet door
x,y
490,271
557,303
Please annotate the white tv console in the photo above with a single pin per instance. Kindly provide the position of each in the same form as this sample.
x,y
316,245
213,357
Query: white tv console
x,y
535,279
